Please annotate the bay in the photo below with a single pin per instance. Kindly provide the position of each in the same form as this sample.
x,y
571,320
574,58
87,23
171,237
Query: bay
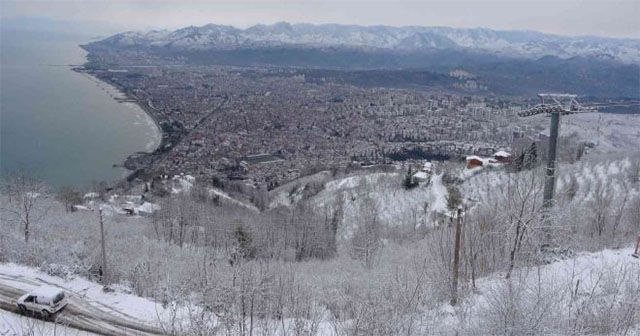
x,y
60,125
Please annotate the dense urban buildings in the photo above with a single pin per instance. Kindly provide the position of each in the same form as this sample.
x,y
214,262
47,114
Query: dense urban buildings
x,y
268,126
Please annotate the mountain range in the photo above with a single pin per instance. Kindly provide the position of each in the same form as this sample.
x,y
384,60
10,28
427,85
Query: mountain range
x,y
513,63
515,44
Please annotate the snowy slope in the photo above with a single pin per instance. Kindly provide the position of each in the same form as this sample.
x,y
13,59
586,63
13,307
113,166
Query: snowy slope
x,y
376,194
613,172
14,324
608,132
558,297
113,309
508,43
565,295
27,278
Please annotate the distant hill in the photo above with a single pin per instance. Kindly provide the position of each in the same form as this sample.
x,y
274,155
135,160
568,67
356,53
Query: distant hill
x,y
501,62
521,44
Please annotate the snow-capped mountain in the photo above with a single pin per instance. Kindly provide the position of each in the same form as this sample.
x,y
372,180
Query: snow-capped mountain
x,y
521,44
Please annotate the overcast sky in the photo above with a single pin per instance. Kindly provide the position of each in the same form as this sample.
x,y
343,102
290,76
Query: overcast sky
x,y
613,18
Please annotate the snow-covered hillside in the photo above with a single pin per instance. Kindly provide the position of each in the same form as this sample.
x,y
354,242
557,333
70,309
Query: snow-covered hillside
x,y
378,194
605,133
592,292
18,325
526,44
121,301
90,307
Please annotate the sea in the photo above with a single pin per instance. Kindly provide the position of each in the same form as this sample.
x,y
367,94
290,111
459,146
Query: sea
x,y
59,125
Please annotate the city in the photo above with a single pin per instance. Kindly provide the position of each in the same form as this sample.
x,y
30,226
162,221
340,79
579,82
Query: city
x,y
215,118
329,168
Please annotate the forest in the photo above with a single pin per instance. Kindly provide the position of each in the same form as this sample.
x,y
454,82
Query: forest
x,y
357,254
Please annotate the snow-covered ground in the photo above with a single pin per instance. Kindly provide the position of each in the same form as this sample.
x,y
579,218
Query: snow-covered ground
x,y
578,290
555,293
379,194
136,205
14,324
587,174
224,197
607,131
27,278
108,311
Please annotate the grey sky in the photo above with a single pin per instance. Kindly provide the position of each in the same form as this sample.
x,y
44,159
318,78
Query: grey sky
x,y
614,18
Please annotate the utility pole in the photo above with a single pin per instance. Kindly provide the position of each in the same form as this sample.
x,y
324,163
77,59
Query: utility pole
x,y
102,243
456,259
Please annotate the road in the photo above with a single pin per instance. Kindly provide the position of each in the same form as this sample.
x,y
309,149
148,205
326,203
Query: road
x,y
80,313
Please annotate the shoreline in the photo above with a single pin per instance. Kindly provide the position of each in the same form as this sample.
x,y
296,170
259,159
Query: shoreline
x,y
124,98
135,163
118,95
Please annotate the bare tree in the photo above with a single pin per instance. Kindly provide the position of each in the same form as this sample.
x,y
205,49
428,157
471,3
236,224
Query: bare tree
x,y
571,189
634,215
367,239
633,171
101,188
619,211
601,206
523,210
25,200
69,197
506,223
456,259
178,219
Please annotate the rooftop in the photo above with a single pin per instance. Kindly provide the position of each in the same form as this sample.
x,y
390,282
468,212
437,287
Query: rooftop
x,y
46,291
502,153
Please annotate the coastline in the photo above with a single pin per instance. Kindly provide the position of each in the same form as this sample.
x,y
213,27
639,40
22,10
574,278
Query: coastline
x,y
122,97
117,94
138,164
135,162
66,127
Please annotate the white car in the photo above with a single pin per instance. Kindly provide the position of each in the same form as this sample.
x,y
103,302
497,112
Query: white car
x,y
45,300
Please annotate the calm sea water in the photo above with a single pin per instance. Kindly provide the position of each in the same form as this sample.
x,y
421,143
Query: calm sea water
x,y
58,124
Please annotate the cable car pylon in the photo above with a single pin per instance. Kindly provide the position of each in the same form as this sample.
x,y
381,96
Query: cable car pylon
x,y
555,105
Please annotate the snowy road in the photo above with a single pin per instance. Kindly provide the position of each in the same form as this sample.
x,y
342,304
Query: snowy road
x,y
81,313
